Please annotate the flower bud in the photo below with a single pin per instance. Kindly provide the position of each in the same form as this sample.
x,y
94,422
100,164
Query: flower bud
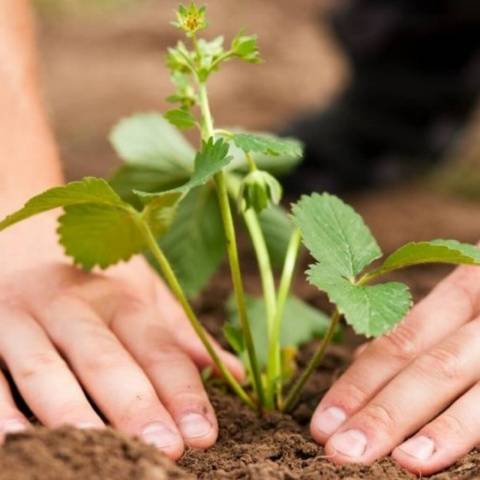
x,y
258,190
191,19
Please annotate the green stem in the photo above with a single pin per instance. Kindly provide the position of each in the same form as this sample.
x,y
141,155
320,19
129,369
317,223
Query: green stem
x,y
208,130
252,166
274,369
264,265
295,391
232,251
221,59
177,290
223,133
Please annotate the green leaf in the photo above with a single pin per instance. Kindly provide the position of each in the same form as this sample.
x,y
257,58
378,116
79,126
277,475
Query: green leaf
x,y
148,140
436,251
160,210
210,160
245,47
335,234
98,227
89,190
184,91
195,243
301,323
268,144
95,234
146,179
276,165
179,59
277,229
370,310
180,118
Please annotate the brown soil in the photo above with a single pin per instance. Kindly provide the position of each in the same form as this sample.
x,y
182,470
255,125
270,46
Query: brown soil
x,y
278,447
274,447
69,454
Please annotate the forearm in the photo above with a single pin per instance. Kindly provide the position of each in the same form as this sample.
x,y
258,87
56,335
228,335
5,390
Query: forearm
x,y
28,157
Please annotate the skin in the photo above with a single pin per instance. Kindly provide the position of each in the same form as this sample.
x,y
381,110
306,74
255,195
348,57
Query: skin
x,y
414,392
117,336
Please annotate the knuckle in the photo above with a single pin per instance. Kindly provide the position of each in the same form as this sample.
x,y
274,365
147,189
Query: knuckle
x,y
449,426
168,354
461,286
133,302
38,363
109,357
349,395
379,417
128,297
130,303
144,404
186,399
402,343
441,362
67,411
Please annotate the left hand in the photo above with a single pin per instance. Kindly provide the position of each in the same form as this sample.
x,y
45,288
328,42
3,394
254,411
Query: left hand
x,y
421,381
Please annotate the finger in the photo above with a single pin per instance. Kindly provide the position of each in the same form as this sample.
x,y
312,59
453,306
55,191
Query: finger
x,y
446,439
172,372
451,304
419,393
41,375
11,419
116,383
186,337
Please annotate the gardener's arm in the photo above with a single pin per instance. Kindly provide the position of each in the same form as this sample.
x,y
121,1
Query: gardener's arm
x,y
61,329
421,381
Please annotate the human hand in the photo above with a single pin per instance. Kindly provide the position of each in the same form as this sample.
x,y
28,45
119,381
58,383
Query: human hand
x,y
420,381
118,336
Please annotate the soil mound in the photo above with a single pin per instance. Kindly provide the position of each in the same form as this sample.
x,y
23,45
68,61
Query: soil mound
x,y
70,454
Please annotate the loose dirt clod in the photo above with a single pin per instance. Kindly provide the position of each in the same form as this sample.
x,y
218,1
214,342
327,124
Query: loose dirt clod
x,y
70,454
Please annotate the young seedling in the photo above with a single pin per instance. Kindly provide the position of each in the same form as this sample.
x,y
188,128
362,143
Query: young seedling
x,y
181,208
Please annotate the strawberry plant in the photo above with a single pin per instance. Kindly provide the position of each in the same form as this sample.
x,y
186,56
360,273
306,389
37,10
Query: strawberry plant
x,y
182,207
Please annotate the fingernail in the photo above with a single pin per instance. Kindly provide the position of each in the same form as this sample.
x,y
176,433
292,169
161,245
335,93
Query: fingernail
x,y
194,425
351,443
421,448
159,435
13,426
330,419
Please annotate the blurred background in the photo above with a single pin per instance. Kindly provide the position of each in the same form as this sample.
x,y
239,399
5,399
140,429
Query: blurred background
x,y
103,59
